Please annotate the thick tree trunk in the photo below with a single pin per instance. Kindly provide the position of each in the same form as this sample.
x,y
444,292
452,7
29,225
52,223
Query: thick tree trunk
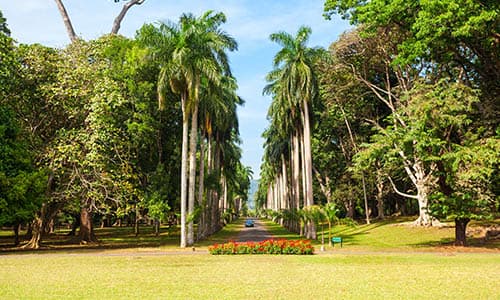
x,y
86,234
296,177
209,206
303,203
460,231
36,233
311,232
67,22
201,187
421,180
193,141
424,218
39,226
284,184
215,194
184,155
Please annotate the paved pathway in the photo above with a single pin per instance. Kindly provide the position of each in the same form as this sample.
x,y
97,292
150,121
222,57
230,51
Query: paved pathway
x,y
257,233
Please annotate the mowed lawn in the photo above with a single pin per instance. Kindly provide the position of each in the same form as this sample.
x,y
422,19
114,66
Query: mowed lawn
x,y
385,260
201,276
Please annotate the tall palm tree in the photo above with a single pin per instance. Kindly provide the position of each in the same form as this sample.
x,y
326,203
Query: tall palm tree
x,y
217,114
191,51
295,80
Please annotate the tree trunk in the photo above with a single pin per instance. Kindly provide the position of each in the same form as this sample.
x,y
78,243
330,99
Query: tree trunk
x,y
215,193
86,234
421,180
367,209
118,20
296,177
193,141
157,227
304,228
16,228
36,233
209,206
424,218
185,129
329,233
67,22
75,224
380,196
311,234
460,231
350,208
39,225
201,187
137,219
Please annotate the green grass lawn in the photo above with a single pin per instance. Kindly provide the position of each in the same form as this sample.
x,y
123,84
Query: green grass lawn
x,y
379,261
391,235
334,276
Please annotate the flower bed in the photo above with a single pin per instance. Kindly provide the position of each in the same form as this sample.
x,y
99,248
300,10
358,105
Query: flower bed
x,y
298,247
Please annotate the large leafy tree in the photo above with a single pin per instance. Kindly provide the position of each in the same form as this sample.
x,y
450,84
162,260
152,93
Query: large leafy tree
x,y
461,35
454,45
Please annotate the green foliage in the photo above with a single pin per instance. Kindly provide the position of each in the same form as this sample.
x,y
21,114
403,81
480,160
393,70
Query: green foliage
x,y
3,25
470,172
330,211
22,186
461,33
8,61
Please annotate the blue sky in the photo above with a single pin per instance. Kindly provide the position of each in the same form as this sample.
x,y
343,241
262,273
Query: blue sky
x,y
249,22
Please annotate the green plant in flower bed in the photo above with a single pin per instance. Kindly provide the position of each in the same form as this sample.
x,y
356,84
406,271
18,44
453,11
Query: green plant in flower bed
x,y
298,247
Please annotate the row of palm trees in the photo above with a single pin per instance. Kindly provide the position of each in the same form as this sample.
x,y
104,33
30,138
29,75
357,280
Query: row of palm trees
x,y
286,173
194,65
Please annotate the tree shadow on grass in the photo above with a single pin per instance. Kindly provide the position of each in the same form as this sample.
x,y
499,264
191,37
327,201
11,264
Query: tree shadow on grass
x,y
349,234
109,238
473,243
116,238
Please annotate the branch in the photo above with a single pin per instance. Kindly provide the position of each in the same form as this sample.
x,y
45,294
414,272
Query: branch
x,y
401,193
123,12
67,22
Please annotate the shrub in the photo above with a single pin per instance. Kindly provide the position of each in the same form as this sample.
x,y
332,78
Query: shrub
x,y
297,247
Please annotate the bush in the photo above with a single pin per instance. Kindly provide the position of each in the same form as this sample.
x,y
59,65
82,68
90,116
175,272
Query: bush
x,y
297,247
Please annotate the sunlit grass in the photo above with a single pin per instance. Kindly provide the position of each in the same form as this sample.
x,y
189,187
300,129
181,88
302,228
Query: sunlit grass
x,y
387,235
337,276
